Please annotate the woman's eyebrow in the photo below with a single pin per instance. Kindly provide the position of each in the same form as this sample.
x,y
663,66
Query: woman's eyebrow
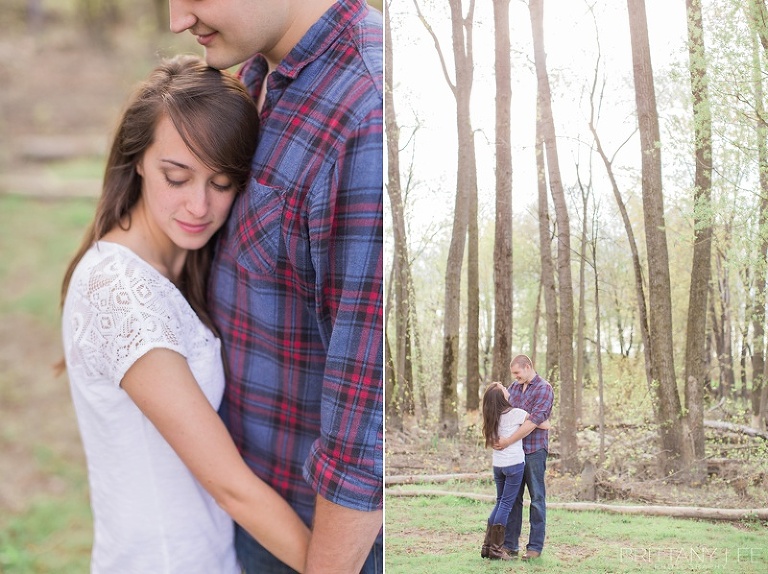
x,y
176,163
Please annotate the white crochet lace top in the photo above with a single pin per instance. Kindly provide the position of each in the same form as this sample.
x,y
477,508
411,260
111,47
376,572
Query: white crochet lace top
x,y
509,422
150,514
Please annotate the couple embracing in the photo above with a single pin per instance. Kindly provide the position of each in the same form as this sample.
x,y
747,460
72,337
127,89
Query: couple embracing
x,y
238,240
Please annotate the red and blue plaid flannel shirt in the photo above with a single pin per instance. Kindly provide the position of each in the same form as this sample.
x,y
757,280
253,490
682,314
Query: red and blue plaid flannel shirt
x,y
296,285
537,399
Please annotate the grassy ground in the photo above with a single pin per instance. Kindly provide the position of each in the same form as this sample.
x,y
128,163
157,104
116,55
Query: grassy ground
x,y
444,534
45,522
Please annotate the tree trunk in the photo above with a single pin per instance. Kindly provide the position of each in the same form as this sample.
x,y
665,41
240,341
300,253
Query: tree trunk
x,y
394,414
502,245
696,330
663,367
402,398
599,353
637,268
582,316
548,286
466,187
760,23
568,446
473,300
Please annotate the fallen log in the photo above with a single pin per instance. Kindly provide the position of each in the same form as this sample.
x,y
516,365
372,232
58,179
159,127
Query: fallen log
x,y
731,427
731,514
435,478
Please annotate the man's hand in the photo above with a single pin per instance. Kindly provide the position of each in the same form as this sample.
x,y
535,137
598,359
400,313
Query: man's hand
x,y
341,538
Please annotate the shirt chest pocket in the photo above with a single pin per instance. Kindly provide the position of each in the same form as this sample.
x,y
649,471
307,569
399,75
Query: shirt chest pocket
x,y
258,227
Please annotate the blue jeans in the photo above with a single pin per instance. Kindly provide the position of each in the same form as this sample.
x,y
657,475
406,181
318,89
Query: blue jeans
x,y
255,559
533,478
508,479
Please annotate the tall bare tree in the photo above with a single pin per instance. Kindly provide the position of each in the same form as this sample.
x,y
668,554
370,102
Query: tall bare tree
x,y
466,187
759,21
548,285
400,399
637,267
696,331
581,319
502,246
669,416
568,446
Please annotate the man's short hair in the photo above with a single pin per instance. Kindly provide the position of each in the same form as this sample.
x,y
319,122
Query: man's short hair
x,y
521,361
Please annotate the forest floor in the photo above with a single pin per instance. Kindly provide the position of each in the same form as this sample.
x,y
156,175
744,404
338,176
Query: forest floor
x,y
737,467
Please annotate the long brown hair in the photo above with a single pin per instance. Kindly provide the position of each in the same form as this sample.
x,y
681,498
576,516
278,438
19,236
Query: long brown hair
x,y
216,119
494,405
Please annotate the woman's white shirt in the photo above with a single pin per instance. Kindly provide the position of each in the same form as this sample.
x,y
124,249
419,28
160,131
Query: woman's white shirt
x,y
509,422
150,513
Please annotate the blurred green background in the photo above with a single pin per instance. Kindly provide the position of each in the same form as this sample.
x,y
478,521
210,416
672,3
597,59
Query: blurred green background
x,y
67,70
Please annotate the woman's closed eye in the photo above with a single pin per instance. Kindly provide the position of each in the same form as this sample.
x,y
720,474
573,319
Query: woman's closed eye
x,y
174,182
222,184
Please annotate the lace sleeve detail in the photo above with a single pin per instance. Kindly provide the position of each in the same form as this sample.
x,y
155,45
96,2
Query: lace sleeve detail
x,y
121,309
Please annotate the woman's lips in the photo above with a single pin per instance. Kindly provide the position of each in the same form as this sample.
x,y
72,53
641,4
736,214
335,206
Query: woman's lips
x,y
193,228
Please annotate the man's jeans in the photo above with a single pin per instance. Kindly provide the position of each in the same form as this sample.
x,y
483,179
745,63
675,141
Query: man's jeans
x,y
256,560
508,480
533,478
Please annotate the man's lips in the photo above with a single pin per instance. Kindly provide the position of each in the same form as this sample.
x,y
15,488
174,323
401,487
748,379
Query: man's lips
x,y
205,39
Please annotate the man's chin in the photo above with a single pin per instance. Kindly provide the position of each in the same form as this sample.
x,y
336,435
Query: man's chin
x,y
219,61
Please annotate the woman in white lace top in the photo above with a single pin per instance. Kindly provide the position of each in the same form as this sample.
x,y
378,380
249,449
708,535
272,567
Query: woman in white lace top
x,y
142,356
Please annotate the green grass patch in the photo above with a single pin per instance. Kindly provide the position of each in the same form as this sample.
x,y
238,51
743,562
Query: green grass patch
x,y
37,240
77,169
436,535
54,535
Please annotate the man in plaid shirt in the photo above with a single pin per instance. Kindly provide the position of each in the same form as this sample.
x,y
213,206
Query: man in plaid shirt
x,y
296,284
533,394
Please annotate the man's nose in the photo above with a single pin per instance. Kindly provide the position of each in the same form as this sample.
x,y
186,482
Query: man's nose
x,y
181,16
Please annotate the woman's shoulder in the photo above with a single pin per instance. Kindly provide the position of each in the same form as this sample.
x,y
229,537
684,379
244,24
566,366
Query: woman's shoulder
x,y
110,278
112,266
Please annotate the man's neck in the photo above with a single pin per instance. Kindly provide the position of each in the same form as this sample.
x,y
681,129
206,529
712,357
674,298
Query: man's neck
x,y
305,15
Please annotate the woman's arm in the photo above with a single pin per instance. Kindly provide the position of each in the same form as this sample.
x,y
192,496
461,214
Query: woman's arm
x,y
525,429
163,387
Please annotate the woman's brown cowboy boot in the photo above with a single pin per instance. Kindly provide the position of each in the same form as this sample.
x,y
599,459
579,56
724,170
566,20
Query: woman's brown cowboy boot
x,y
496,550
486,542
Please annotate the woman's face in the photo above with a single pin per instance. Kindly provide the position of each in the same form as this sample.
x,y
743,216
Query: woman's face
x,y
184,200
504,391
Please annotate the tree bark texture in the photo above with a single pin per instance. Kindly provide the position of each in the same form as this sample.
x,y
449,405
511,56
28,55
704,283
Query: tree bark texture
x,y
696,331
502,245
466,186
760,23
402,398
569,452
581,319
548,285
660,316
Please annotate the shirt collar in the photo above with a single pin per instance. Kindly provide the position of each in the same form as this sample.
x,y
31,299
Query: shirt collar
x,y
315,42
536,378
